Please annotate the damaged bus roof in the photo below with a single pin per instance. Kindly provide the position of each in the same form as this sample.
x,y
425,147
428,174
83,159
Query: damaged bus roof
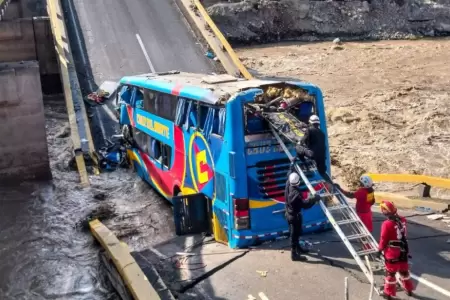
x,y
211,89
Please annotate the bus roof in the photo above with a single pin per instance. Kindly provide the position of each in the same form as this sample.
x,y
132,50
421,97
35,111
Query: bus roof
x,y
211,89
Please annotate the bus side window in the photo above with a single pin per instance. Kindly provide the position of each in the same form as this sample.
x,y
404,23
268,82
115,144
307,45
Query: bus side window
x,y
219,121
166,155
167,106
202,116
150,101
142,139
181,111
155,150
125,94
138,98
160,152
192,114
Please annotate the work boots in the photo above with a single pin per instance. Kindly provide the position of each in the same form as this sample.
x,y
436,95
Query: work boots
x,y
296,256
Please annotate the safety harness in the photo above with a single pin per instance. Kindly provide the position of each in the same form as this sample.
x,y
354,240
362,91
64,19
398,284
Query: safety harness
x,y
402,243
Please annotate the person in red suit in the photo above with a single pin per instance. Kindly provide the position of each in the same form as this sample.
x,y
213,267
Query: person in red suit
x,y
394,246
364,200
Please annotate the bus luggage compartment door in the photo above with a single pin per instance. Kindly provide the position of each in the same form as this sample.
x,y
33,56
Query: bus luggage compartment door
x,y
192,214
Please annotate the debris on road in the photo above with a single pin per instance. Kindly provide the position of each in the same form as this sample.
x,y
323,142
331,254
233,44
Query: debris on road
x,y
210,54
104,92
423,209
436,217
262,296
262,273
97,97
182,263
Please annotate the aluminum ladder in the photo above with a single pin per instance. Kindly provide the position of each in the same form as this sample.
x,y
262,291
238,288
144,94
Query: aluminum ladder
x,y
344,220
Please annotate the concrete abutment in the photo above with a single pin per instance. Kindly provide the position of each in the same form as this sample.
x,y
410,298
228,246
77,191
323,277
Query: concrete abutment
x,y
23,143
28,70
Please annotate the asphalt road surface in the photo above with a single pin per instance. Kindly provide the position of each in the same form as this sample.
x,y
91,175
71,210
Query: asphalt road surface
x,y
112,39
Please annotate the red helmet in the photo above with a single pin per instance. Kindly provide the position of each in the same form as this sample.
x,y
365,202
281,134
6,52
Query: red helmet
x,y
388,208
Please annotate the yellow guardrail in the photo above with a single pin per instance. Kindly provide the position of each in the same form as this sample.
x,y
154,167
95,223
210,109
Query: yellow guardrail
x,y
68,75
223,40
132,275
410,178
407,203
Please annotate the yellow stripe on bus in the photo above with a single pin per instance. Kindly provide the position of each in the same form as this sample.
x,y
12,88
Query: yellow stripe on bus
x,y
262,204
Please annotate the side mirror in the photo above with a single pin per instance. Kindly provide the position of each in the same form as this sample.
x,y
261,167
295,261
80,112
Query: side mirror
x,y
139,104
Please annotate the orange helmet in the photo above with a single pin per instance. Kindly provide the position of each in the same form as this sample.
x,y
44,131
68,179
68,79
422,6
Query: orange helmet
x,y
388,208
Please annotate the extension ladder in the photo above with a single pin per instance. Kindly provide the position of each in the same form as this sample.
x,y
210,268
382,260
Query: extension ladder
x,y
353,233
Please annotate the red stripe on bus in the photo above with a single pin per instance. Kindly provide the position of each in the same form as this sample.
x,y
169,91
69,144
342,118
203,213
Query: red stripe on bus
x,y
176,89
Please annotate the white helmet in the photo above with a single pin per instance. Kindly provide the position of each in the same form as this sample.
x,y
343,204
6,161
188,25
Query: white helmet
x,y
366,181
294,179
314,119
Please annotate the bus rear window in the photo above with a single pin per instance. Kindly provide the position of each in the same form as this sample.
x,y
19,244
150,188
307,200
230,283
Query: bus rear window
x,y
254,124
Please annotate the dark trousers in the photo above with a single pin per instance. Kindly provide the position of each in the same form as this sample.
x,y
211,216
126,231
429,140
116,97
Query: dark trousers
x,y
295,230
322,169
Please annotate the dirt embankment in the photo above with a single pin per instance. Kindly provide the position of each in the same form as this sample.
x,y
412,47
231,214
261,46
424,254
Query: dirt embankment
x,y
388,103
260,21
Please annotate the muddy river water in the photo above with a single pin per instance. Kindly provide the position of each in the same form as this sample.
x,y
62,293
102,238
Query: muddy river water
x,y
46,250
43,253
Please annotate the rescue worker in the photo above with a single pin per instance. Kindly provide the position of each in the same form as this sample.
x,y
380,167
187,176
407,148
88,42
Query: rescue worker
x,y
303,152
365,198
315,140
394,245
296,200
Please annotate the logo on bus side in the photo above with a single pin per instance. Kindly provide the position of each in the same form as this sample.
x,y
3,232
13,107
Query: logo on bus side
x,y
201,163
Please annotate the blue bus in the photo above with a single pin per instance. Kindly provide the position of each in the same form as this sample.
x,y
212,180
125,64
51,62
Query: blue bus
x,y
193,138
